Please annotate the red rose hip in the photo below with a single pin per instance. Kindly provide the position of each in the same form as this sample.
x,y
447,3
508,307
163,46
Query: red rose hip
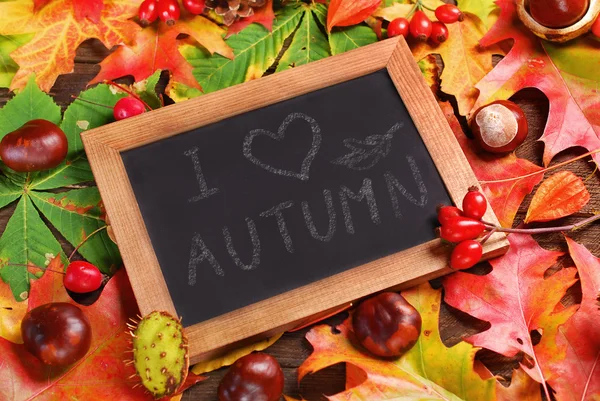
x,y
449,14
474,204
255,377
460,229
58,334
38,145
398,26
466,255
386,324
420,26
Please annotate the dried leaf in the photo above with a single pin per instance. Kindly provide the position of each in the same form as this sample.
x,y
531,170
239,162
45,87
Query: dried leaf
x,y
516,299
522,388
566,73
230,358
349,12
505,197
23,376
559,195
156,47
429,371
59,29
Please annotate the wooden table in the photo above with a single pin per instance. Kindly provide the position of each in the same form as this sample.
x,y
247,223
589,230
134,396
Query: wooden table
x,y
292,349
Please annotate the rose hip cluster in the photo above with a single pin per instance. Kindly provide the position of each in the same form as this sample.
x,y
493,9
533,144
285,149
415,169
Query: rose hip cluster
x,y
167,11
422,28
462,227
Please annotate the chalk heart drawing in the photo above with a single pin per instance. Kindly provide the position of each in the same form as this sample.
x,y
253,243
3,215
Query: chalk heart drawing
x,y
310,156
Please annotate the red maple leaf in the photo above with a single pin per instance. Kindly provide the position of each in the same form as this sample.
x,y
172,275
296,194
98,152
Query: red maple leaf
x,y
516,299
156,47
264,16
24,377
91,9
567,74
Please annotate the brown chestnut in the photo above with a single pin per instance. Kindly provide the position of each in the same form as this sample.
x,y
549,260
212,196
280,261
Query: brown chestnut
x,y
58,334
386,324
38,145
558,13
499,127
255,377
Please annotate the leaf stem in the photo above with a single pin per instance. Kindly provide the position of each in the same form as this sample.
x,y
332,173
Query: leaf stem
x,y
85,240
124,89
36,267
571,227
542,171
90,102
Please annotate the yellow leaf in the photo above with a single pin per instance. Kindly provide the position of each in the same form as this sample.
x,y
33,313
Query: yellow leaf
x,y
11,314
231,357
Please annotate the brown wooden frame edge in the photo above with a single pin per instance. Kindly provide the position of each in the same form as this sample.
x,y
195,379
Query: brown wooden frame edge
x,y
288,310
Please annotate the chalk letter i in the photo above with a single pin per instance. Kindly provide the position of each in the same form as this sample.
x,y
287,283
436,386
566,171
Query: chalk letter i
x,y
205,192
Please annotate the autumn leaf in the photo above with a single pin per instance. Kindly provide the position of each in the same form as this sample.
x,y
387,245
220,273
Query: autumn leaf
x,y
481,8
516,299
465,62
263,16
59,30
504,197
11,314
232,356
349,12
522,388
575,369
429,371
559,195
566,73
156,47
23,376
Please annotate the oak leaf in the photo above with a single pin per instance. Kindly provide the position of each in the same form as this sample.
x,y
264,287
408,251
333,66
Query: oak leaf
x,y
59,30
429,371
515,299
465,62
566,73
576,370
504,197
349,12
157,47
24,377
559,195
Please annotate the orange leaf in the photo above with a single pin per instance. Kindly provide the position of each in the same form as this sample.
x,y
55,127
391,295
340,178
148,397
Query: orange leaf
x,y
560,195
156,48
516,299
264,16
59,30
522,388
349,12
576,371
24,377
504,197
11,314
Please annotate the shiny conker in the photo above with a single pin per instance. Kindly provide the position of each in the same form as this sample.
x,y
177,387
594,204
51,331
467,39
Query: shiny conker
x,y
255,377
499,127
386,324
58,333
37,145
558,13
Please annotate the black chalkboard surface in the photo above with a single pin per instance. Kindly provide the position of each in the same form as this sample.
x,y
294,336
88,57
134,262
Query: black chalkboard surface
x,y
267,201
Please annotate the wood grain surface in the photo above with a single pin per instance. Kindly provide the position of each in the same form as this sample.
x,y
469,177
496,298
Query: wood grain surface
x,y
292,349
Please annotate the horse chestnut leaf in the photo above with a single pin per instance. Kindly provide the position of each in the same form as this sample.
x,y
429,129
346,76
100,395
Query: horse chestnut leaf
x,y
558,13
386,324
58,334
38,145
499,127
255,377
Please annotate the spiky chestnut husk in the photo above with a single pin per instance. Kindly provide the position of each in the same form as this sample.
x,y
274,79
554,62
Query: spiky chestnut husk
x,y
160,353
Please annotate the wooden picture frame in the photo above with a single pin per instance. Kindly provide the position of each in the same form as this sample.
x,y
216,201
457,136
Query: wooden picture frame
x,y
291,309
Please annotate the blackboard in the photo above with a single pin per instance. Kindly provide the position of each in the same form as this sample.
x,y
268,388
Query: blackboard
x,y
277,198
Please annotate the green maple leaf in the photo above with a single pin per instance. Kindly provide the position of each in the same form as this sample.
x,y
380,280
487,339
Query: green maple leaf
x,y
27,240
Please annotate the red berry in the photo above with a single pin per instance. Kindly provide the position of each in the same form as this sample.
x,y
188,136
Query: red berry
x,y
147,12
447,213
128,107
82,277
460,229
449,14
420,26
466,254
195,7
398,26
439,32
168,11
474,204
596,27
